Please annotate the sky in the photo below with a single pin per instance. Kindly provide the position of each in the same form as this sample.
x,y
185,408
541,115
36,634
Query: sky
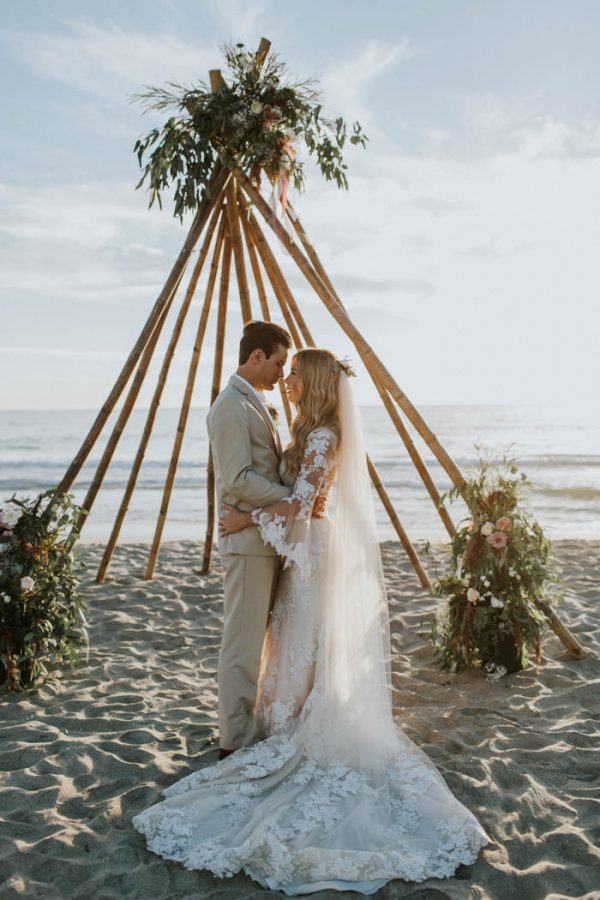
x,y
466,249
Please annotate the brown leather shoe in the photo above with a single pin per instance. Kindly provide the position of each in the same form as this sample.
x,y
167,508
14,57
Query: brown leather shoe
x,y
223,752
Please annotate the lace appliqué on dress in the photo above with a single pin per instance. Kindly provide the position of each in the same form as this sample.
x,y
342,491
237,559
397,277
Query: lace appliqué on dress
x,y
308,834
286,525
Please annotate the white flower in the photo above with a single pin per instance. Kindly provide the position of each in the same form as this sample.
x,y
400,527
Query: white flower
x,y
488,528
27,583
5,597
486,583
256,107
472,595
495,672
247,62
9,516
497,602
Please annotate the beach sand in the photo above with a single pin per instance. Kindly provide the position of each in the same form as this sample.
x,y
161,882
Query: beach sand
x,y
88,749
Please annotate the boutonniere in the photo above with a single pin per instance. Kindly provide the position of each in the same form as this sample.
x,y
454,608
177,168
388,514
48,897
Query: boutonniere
x,y
273,412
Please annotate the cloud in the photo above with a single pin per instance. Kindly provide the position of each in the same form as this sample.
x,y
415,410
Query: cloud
x,y
363,284
347,83
438,206
109,61
65,352
547,137
83,241
385,318
485,250
242,17
486,126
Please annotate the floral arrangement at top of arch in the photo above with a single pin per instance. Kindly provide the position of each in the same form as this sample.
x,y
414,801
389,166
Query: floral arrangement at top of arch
x,y
251,122
501,568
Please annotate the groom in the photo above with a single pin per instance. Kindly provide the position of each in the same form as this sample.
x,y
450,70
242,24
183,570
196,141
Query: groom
x,y
246,453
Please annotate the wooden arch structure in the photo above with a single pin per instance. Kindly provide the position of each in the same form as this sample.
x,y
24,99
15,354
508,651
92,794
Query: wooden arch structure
x,y
229,228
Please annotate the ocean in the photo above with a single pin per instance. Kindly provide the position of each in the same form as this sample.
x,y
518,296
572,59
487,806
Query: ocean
x,y
557,449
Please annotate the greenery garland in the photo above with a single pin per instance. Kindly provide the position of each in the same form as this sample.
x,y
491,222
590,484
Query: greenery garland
x,y
41,614
251,122
501,563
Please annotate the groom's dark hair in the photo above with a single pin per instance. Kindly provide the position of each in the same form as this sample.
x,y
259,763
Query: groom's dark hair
x,y
265,336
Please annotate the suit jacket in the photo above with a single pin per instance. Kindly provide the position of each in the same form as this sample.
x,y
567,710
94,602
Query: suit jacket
x,y
246,455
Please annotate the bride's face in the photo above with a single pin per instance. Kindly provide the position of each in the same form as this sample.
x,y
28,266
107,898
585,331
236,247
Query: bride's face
x,y
291,383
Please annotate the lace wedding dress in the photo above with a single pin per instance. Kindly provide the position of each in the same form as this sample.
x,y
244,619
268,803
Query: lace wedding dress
x,y
335,795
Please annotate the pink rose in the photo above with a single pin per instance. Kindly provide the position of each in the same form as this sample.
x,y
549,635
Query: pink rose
x,y
503,524
27,583
498,539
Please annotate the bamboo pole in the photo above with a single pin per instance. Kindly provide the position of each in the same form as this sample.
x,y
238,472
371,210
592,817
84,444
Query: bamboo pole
x,y
216,184
277,280
216,80
366,353
125,413
404,538
263,49
570,642
210,515
150,419
417,461
119,426
264,306
280,285
233,220
183,417
216,385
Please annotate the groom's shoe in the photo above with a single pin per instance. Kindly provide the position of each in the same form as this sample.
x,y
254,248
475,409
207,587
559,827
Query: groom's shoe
x,y
223,752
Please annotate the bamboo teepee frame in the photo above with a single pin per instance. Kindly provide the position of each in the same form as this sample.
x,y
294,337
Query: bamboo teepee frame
x,y
230,220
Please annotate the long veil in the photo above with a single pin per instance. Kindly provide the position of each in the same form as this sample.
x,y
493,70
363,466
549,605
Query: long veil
x,y
352,693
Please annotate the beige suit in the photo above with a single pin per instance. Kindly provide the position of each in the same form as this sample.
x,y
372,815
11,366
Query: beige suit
x,y
246,452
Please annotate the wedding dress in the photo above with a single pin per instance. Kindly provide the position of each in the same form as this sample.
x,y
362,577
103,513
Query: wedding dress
x,y
335,795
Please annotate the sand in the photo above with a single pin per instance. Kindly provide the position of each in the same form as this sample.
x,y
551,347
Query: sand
x,y
86,750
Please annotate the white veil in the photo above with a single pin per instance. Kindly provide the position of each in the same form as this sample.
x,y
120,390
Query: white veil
x,y
351,711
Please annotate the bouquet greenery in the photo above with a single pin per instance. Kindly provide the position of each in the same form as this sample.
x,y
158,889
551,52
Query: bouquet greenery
x,y
41,614
250,122
501,564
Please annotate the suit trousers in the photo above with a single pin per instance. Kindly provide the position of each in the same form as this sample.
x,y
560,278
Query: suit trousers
x,y
248,593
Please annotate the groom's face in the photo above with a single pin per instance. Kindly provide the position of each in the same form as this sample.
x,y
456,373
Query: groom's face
x,y
271,368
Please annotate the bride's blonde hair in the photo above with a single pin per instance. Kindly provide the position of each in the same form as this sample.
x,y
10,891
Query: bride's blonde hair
x,y
318,375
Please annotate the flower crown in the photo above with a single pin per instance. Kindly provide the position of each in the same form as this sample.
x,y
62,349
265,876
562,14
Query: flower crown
x,y
344,365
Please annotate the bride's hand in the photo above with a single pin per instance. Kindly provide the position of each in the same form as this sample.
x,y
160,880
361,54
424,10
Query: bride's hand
x,y
232,519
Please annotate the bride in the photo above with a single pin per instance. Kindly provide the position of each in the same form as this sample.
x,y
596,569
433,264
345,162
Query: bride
x,y
335,795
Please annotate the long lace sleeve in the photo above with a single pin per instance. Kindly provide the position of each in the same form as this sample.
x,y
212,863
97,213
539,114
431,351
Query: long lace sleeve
x,y
286,524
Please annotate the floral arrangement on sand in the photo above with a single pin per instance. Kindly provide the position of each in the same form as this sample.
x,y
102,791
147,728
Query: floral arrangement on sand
x,y
41,614
253,121
501,567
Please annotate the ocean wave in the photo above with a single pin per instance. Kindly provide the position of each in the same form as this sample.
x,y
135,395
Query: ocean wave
x,y
580,491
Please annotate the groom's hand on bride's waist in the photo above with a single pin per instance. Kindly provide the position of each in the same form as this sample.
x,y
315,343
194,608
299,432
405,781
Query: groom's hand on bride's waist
x,y
232,519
